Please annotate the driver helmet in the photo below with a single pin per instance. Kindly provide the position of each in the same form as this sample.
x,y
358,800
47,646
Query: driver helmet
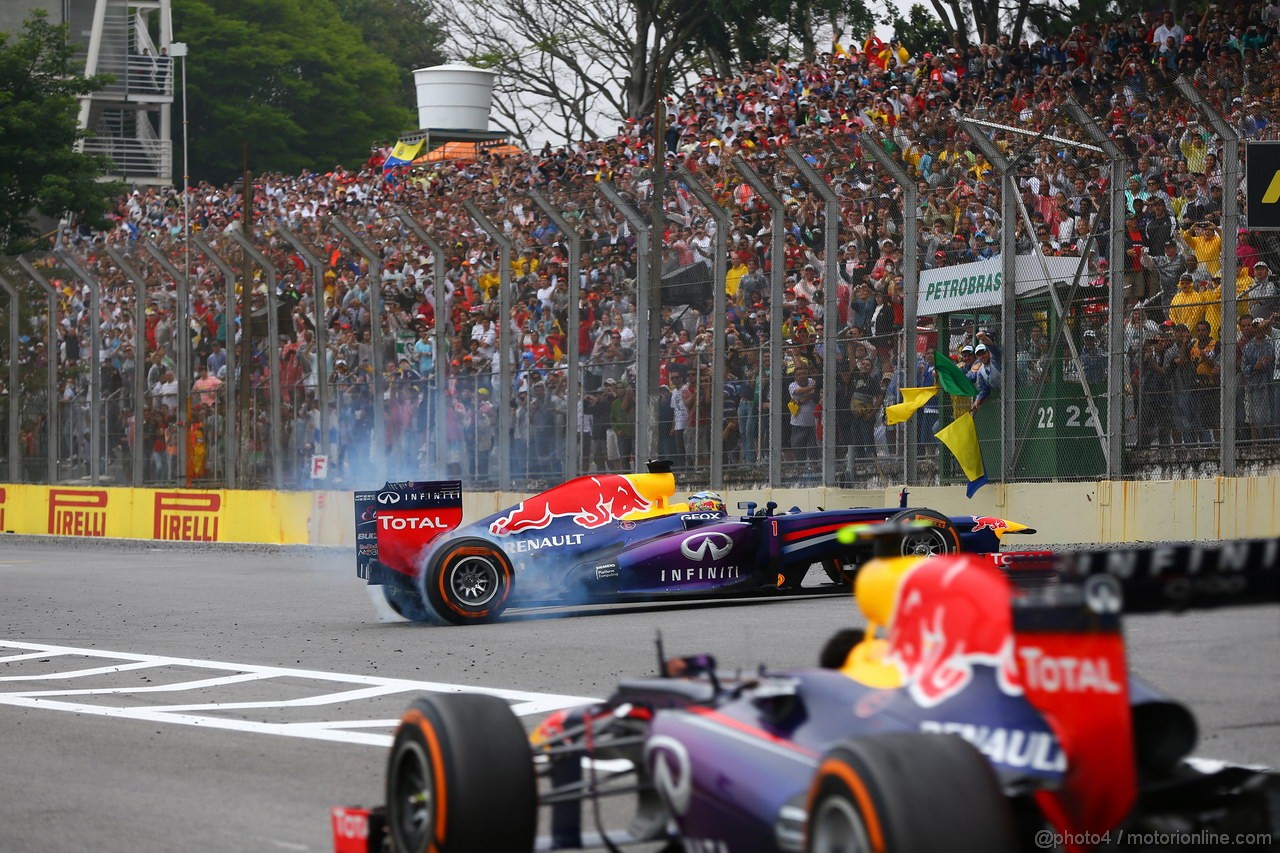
x,y
706,502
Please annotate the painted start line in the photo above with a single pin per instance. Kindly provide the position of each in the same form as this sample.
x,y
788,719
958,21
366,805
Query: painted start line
x,y
25,690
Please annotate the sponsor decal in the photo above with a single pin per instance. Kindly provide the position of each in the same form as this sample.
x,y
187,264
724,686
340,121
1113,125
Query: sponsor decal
x,y
701,516
1009,747
76,512
411,522
873,703
699,573
1067,673
627,525
949,617
525,546
706,547
608,570
186,516
989,522
671,772
590,502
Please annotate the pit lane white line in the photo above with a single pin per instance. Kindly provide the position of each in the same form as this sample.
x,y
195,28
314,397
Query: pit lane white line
x,y
524,703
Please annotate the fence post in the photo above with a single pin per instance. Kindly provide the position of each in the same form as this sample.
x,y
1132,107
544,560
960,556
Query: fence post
x,y
95,375
831,314
439,339
273,347
777,271
229,420
1007,170
322,330
14,445
506,339
51,417
573,355
719,273
379,385
646,400
910,281
1230,229
139,360
182,348
1115,317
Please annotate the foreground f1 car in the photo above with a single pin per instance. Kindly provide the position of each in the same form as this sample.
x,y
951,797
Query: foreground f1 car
x,y
980,710
615,537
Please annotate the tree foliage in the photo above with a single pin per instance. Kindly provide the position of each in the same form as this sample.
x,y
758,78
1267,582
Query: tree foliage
x,y
40,173
291,78
564,64
403,31
920,31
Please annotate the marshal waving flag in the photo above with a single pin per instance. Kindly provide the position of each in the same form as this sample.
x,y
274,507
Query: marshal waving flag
x,y
404,153
961,438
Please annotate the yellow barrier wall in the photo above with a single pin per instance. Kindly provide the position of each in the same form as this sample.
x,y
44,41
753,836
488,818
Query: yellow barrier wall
x,y
1221,508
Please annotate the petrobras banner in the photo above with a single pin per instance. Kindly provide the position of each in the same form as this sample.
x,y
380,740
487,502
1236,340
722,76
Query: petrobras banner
x,y
981,284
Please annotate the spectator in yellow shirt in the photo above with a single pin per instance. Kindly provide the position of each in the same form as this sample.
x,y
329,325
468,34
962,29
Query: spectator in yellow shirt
x,y
1211,298
1186,307
1205,242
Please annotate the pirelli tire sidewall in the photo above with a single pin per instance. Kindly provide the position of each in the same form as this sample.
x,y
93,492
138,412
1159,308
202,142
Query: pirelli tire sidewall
x,y
480,784
942,533
468,581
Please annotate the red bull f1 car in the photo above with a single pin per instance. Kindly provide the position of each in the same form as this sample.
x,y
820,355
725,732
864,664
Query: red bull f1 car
x,y
981,709
615,537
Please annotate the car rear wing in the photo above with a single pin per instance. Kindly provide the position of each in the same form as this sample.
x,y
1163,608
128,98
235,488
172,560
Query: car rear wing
x,y
1189,575
395,523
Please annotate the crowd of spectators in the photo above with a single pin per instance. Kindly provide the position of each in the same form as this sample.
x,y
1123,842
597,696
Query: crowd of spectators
x,y
1119,70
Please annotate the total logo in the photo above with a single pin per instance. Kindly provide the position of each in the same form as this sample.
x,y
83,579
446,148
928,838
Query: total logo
x,y
1066,674
410,523
708,547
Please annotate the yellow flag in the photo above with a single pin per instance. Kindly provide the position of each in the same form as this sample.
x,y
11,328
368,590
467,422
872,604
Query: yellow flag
x,y
961,438
913,399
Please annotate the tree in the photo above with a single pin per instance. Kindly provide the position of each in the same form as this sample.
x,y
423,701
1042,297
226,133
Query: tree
x,y
403,31
567,67
40,172
291,78
919,31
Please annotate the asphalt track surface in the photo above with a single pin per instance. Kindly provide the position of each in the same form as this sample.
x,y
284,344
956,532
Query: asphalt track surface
x,y
288,684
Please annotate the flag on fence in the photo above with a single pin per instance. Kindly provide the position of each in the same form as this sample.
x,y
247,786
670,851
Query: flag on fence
x,y
952,378
913,399
961,438
404,153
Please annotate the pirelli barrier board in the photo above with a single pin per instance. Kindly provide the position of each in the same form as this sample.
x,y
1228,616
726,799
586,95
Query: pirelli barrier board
x,y
180,515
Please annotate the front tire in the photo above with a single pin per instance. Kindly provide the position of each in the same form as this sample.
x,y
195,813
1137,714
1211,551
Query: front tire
x,y
940,537
907,791
460,778
469,581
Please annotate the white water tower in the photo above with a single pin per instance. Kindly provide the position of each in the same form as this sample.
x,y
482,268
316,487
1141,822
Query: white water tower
x,y
454,97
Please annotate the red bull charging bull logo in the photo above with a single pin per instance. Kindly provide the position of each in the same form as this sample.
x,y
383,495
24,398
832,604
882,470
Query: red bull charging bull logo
x,y
590,501
950,615
989,522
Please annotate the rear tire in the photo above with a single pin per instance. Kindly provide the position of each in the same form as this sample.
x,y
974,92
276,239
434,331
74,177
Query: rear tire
x,y
940,538
406,601
469,581
907,791
460,778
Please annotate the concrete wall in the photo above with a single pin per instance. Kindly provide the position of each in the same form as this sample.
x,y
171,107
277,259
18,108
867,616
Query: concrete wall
x,y
14,12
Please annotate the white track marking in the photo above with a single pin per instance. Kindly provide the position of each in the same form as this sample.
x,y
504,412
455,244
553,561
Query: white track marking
x,y
29,656
359,688
82,673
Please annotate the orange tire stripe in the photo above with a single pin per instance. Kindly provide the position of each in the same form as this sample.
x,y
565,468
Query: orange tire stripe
x,y
843,772
414,717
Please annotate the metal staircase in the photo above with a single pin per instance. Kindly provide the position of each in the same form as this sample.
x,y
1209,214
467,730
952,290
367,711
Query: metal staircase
x,y
129,118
